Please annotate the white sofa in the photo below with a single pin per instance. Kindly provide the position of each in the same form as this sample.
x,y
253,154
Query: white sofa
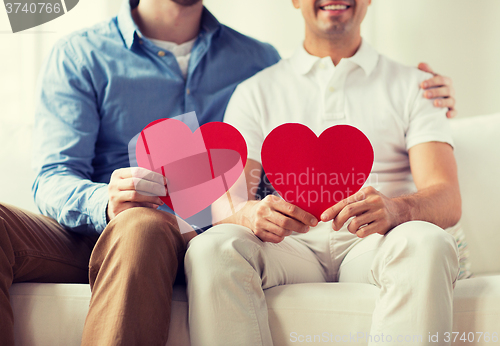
x,y
54,314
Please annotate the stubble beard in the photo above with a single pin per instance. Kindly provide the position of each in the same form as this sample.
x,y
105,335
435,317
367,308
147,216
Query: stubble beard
x,y
186,3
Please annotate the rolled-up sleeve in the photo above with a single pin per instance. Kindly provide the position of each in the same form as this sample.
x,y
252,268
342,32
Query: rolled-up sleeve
x,y
67,123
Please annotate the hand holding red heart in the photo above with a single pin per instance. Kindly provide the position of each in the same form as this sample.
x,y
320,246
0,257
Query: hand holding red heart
x,y
272,219
134,187
372,212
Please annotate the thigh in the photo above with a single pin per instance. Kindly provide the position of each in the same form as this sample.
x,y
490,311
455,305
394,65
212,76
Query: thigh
x,y
227,246
356,265
39,249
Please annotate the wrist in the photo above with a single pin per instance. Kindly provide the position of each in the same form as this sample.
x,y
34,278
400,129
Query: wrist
x,y
402,211
245,215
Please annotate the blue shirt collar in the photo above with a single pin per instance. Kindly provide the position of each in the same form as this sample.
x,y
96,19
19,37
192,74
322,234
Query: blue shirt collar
x,y
130,31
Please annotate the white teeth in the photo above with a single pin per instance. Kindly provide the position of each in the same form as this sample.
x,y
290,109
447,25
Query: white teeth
x,y
335,7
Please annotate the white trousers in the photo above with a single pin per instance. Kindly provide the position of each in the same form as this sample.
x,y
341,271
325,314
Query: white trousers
x,y
228,268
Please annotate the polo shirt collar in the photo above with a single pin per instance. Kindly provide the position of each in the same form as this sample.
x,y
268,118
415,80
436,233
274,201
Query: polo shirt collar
x,y
130,31
366,57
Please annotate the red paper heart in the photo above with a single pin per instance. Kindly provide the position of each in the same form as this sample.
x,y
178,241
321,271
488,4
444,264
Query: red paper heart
x,y
315,173
200,166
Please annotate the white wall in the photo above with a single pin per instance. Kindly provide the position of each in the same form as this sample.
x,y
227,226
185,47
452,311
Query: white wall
x,y
21,56
458,38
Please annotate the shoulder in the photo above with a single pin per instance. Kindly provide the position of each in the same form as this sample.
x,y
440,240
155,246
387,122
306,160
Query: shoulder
x,y
269,79
92,40
401,82
243,45
401,73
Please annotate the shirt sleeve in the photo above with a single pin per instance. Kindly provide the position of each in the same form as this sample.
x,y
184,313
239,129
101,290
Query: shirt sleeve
x,y
427,123
66,126
244,114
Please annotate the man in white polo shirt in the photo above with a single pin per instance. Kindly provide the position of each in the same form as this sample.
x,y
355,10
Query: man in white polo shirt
x,y
390,234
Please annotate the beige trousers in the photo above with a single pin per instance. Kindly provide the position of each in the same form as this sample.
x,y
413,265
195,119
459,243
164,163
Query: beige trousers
x,y
133,266
228,268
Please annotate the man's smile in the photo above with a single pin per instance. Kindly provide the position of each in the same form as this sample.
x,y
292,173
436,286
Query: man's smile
x,y
334,8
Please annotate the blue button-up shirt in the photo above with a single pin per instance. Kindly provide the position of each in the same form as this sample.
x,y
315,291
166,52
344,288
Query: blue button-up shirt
x,y
101,86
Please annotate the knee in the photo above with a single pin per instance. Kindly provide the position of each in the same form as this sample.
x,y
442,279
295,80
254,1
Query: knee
x,y
144,227
221,244
424,240
5,215
8,220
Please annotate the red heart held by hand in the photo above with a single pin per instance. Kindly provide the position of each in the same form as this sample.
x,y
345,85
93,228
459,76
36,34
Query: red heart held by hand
x,y
314,173
199,166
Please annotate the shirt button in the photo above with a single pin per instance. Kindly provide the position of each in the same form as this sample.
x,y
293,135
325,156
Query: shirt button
x,y
188,91
322,66
141,42
332,89
161,53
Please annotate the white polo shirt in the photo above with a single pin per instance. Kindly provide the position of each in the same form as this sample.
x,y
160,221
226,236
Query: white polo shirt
x,y
380,97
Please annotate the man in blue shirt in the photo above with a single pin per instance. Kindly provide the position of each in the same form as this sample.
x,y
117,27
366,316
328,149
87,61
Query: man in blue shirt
x,y
100,87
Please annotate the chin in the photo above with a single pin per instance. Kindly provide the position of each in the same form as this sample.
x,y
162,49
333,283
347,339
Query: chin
x,y
186,2
333,29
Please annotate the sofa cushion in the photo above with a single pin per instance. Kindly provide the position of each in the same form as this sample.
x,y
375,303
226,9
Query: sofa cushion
x,y
54,314
346,309
478,160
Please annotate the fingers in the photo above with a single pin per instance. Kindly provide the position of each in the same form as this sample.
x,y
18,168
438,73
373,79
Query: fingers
x,y
142,181
436,81
150,205
360,222
269,232
451,113
134,187
425,67
134,197
140,173
447,102
128,205
441,87
347,212
287,224
293,211
332,213
273,219
367,230
146,187
443,91
143,173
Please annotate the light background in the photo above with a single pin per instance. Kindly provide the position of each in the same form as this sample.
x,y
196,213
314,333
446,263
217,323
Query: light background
x,y
458,38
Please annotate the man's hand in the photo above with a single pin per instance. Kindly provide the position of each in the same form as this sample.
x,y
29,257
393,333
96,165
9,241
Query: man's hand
x,y
372,212
134,187
439,88
272,219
